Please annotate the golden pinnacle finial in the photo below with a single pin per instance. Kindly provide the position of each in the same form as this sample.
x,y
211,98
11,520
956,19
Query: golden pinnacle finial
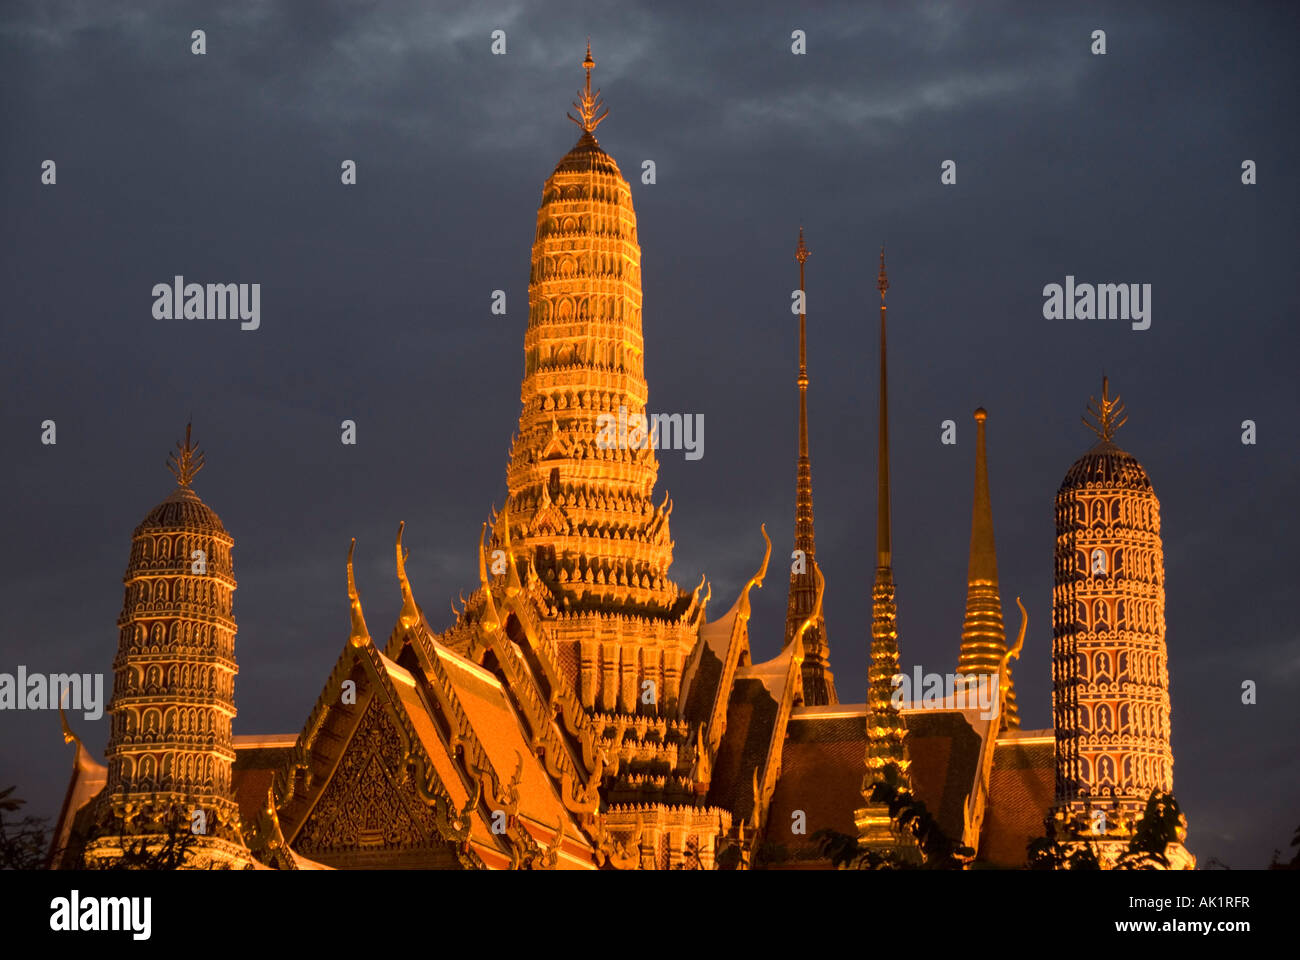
x,y
801,252
588,106
1108,415
189,463
882,281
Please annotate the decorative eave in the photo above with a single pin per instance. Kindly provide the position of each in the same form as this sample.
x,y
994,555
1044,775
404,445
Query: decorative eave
x,y
575,781
786,668
737,651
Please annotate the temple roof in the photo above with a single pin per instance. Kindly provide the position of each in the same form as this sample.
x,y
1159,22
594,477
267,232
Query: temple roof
x,y
1022,788
822,772
89,777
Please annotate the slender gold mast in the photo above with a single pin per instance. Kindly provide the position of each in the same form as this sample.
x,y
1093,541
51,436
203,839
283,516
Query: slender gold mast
x,y
886,746
818,681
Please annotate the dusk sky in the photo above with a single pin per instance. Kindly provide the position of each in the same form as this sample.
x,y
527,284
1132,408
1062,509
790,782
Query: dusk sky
x,y
375,307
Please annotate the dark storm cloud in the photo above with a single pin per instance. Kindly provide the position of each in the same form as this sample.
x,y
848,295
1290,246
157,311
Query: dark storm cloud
x,y
375,308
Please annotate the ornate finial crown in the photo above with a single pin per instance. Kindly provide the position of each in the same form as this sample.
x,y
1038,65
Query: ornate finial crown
x,y
882,281
1108,415
801,252
588,106
189,463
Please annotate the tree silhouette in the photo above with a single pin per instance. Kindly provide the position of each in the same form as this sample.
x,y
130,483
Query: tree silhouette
x,y
1068,846
911,817
23,840
1162,823
143,849
1294,862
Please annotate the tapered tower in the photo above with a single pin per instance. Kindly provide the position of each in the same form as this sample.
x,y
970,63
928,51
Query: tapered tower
x,y
170,749
983,636
818,681
590,545
583,467
1110,675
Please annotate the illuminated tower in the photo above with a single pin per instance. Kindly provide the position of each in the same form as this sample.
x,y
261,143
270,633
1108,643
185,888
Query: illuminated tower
x,y
170,750
818,681
590,545
983,637
886,737
582,468
1110,676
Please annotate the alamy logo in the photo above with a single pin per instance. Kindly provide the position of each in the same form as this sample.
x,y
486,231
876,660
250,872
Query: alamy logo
x,y
947,691
1103,301
41,691
74,913
214,301
661,431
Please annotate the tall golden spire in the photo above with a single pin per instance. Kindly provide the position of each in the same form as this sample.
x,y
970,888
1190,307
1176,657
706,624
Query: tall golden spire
x,y
818,681
588,104
883,551
886,737
983,635
189,463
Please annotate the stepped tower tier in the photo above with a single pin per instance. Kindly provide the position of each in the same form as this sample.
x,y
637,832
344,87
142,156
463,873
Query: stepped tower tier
x,y
1110,690
170,749
583,467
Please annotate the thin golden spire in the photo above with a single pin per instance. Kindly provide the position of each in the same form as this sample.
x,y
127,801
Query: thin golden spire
x,y
886,733
1109,414
819,683
983,554
801,253
983,634
883,532
189,463
588,104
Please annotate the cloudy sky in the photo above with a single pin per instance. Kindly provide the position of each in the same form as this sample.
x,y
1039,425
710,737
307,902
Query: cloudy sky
x,y
375,307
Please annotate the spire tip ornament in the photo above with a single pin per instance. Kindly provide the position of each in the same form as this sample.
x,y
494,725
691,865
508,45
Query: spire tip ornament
x,y
588,104
1108,416
185,467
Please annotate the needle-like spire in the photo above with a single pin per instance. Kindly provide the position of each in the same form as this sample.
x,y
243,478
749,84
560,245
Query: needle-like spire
x,y
818,682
